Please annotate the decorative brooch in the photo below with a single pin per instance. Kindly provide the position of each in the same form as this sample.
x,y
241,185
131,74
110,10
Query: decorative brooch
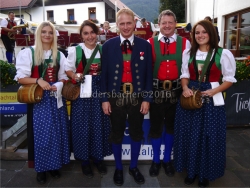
x,y
141,55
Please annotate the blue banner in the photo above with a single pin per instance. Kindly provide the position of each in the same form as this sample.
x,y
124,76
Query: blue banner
x,y
13,108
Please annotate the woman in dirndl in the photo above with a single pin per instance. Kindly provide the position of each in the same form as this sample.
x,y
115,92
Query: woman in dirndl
x,y
89,125
200,134
44,65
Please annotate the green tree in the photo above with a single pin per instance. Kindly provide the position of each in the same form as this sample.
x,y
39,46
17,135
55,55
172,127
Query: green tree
x,y
177,6
148,9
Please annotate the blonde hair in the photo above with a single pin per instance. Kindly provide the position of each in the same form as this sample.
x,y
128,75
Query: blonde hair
x,y
38,55
125,11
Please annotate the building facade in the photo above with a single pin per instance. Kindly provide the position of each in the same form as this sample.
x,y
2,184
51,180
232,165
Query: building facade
x,y
232,19
64,11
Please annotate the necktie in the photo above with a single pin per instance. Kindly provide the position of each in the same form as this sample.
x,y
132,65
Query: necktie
x,y
127,45
167,41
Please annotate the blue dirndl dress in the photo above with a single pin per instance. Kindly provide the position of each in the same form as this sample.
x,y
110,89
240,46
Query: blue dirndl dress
x,y
51,134
90,126
200,139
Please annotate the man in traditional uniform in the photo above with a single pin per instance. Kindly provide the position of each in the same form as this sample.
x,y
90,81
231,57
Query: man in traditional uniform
x,y
9,43
106,28
126,85
145,24
167,50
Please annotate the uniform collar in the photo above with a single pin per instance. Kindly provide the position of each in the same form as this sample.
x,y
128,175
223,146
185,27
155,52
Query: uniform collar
x,y
173,38
10,20
131,39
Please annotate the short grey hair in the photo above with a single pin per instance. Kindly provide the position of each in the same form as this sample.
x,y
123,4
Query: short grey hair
x,y
168,13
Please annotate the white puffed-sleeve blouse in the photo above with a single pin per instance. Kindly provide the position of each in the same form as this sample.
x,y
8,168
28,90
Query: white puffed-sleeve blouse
x,y
24,64
71,59
227,61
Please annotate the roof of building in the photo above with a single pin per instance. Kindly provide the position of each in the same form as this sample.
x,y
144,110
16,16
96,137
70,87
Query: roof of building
x,y
15,4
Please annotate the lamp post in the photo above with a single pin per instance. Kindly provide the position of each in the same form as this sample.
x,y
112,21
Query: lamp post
x,y
43,11
20,8
213,12
115,10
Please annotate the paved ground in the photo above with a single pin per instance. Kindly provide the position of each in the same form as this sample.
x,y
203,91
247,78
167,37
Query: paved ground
x,y
237,173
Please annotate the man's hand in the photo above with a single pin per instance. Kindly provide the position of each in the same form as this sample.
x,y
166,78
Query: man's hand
x,y
106,107
144,107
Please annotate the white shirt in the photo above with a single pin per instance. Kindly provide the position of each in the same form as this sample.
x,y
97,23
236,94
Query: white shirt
x,y
227,61
152,26
131,39
138,24
173,38
4,22
24,64
71,59
57,33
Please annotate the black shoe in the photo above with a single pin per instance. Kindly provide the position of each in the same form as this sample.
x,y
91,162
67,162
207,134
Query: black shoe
x,y
101,167
169,169
154,169
87,171
41,177
188,181
138,177
55,174
118,177
203,183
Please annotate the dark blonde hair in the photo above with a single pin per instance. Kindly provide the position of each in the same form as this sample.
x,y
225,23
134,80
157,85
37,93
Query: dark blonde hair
x,y
213,39
126,11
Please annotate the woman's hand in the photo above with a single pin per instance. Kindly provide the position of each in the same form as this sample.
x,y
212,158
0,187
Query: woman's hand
x,y
45,85
53,88
77,77
209,92
187,92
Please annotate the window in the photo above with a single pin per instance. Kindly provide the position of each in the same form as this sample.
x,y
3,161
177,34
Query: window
x,y
50,15
237,33
71,15
244,42
92,13
18,16
230,33
111,14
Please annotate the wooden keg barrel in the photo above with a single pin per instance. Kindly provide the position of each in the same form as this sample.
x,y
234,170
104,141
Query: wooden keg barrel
x,y
192,102
70,91
29,93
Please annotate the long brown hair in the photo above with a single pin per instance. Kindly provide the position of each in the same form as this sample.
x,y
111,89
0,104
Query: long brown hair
x,y
90,24
213,39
